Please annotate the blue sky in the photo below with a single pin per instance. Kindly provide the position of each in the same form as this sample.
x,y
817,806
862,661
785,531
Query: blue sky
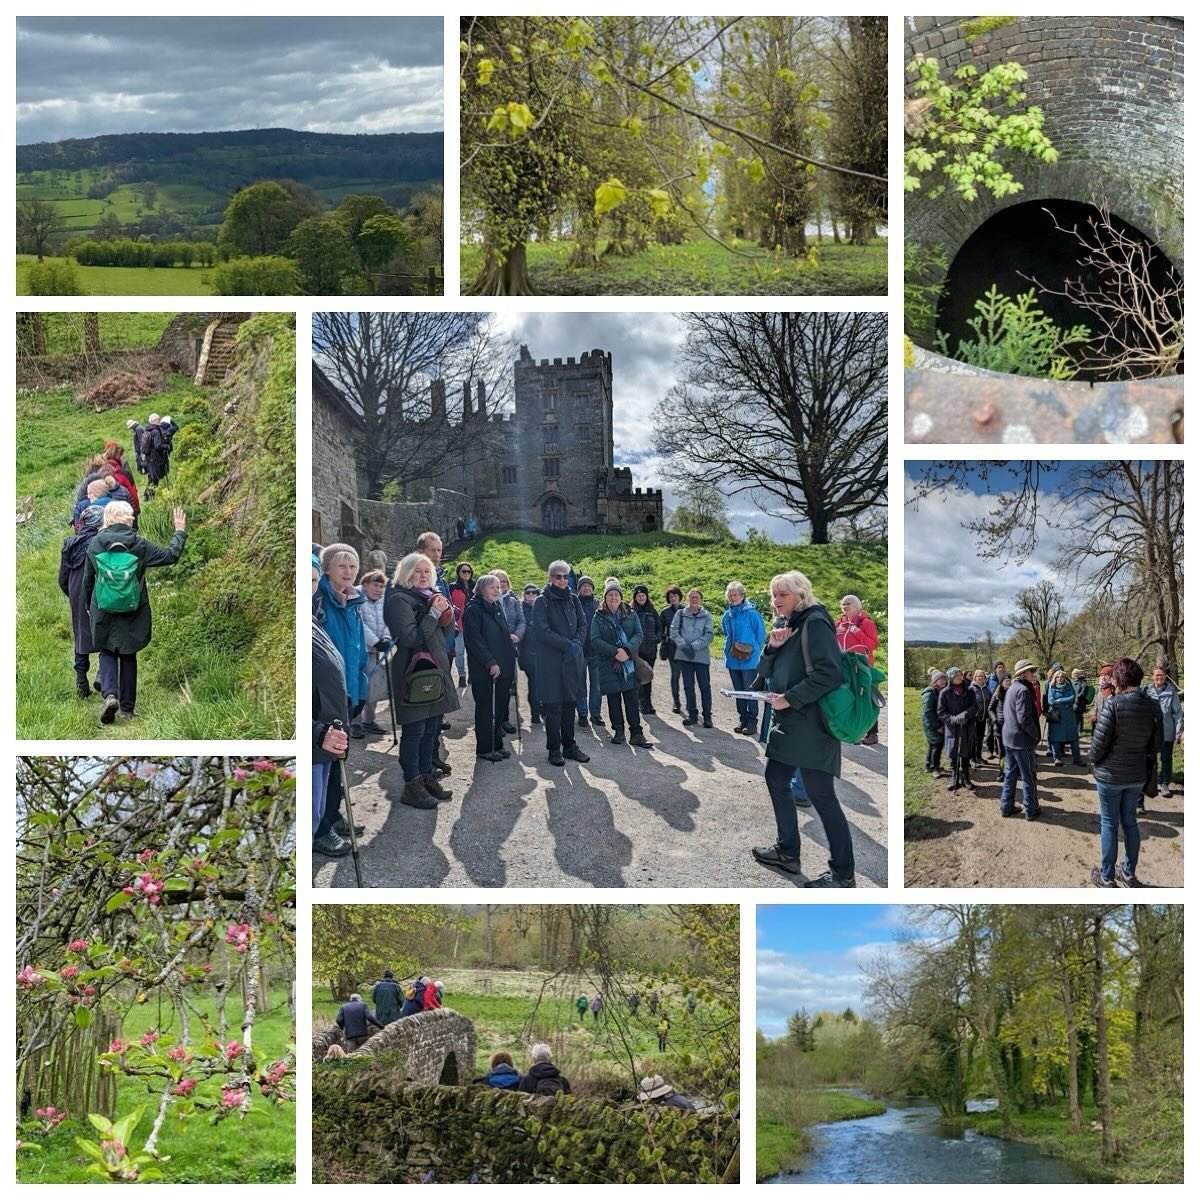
x,y
811,956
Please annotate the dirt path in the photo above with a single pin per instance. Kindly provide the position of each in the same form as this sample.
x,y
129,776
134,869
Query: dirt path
x,y
961,840
684,814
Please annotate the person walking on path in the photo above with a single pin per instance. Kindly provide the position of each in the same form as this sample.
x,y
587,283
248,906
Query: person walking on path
x,y
118,468
804,662
1162,690
663,1030
1125,743
647,649
615,635
979,690
931,725
461,591
581,1007
337,604
417,617
745,636
72,566
544,1078
1062,729
858,634
597,1006
996,718
114,582
666,618
386,997
559,635
355,1019
588,705
1020,736
375,637
692,633
491,666
514,617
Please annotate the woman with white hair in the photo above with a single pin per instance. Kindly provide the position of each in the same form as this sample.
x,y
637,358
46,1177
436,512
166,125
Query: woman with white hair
x,y
857,634
745,635
559,633
491,666
544,1078
337,604
803,662
417,616
514,614
119,602
692,633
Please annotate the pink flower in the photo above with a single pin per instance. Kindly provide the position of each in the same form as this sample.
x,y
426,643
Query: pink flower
x,y
54,891
238,936
89,990
234,1050
114,1147
117,1046
185,1087
263,764
239,774
28,978
207,967
179,1054
197,864
286,774
146,855
78,947
150,1037
71,972
232,1097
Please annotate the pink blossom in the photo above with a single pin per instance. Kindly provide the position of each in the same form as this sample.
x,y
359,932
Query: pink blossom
x,y
232,1097
238,936
234,1050
117,1046
70,972
286,774
28,978
239,774
89,990
78,947
150,1037
185,1087
146,855
74,999
114,1147
179,1054
263,764
207,967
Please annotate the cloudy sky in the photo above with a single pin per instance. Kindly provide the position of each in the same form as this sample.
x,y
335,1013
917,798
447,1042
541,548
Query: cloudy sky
x,y
812,956
950,593
84,76
643,347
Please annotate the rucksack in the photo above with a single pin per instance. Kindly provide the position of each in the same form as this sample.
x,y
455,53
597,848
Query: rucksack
x,y
117,588
422,681
550,1085
850,711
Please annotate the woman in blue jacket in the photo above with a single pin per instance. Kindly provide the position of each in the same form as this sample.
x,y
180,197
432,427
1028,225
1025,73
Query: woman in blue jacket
x,y
745,635
336,607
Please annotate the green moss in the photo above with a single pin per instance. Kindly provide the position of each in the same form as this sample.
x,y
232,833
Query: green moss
x,y
976,27
908,352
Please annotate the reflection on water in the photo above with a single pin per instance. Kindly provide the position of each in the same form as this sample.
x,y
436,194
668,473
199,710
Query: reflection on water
x,y
910,1143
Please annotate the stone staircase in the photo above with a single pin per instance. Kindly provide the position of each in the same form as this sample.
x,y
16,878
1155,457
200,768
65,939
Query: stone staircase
x,y
216,353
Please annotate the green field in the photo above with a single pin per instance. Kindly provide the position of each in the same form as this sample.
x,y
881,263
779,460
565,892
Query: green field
x,y
701,268
260,1149
783,1118
918,787
118,330
127,281
661,559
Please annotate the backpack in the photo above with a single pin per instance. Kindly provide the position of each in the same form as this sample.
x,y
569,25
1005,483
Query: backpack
x,y
850,711
551,1085
117,588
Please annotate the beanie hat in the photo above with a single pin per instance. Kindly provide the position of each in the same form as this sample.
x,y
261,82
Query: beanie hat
x,y
613,586
952,671
643,589
316,562
585,579
536,587
935,675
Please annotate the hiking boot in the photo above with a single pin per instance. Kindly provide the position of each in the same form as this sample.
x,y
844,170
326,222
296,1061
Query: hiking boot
x,y
372,727
1127,877
618,738
83,689
330,845
802,801
598,721
342,828
96,687
690,720
650,710
771,856
503,752
967,780
557,760
356,731
1033,816
435,789
581,720
1098,880
640,739
573,752
872,739
489,755
1166,793
830,880
1057,762
445,725
415,795
535,720
441,769
740,729
108,710
509,727
707,721
675,708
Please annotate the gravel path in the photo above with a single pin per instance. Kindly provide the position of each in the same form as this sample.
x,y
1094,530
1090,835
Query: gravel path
x,y
684,814
961,840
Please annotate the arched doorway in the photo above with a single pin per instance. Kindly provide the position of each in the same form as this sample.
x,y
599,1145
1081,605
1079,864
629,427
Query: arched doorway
x,y
449,1070
650,521
554,513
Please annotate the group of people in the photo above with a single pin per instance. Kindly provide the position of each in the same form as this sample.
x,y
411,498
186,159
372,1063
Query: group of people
x,y
103,563
392,1002
576,645
1134,726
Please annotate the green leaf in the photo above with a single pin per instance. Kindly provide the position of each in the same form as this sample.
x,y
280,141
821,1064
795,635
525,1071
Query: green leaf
x,y
90,1149
123,1129
83,1017
103,1124
117,901
44,819
609,195
660,201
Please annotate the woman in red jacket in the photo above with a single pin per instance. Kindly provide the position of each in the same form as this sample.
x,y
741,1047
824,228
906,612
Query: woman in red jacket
x,y
856,632
115,457
433,995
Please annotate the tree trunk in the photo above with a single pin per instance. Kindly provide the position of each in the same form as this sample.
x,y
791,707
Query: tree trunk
x,y
1108,1148
91,333
818,519
1068,996
31,332
503,274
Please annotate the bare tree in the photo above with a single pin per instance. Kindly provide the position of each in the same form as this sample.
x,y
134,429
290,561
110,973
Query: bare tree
x,y
793,405
385,362
1041,616
38,223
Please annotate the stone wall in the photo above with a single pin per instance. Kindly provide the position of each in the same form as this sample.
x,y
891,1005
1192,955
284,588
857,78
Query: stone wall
x,y
370,1125
394,528
430,1047
1111,89
334,475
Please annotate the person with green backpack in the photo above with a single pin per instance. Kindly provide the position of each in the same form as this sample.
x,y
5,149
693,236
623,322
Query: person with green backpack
x,y
804,663
119,602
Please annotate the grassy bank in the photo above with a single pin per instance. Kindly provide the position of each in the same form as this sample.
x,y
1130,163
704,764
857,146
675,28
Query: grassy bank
x,y
702,268
260,1149
661,559
918,787
127,281
785,1116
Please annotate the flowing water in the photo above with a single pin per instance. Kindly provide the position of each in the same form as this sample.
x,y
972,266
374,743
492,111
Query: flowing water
x,y
910,1143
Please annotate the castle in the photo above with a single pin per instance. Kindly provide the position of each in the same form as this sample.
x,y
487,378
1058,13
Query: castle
x,y
547,466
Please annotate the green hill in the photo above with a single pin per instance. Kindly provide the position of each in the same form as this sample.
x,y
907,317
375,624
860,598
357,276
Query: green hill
x,y
192,175
222,660
661,559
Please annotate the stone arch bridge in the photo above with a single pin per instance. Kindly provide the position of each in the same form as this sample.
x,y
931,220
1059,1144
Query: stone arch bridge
x,y
436,1046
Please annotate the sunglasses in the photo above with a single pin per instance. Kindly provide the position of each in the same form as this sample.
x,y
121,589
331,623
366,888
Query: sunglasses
x,y
559,575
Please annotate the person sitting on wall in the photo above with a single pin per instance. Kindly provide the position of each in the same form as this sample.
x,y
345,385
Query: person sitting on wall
x,y
501,1073
544,1078
655,1090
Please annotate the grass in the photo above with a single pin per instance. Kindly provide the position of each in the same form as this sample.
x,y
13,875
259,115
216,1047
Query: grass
x,y
785,1115
127,281
701,268
506,1020
661,559
187,688
260,1149
118,330
918,787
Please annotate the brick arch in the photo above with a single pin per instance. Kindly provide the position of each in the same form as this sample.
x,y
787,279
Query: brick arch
x,y
437,1046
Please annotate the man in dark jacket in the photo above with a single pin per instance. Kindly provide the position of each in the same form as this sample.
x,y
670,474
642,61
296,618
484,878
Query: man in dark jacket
x,y
544,1078
559,634
957,709
527,655
991,727
386,997
588,704
355,1019
1021,733
491,666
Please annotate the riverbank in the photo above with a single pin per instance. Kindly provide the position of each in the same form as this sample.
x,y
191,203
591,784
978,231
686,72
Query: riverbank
x,y
784,1116
1051,1133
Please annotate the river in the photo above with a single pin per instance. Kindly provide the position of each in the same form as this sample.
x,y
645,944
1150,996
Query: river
x,y
909,1143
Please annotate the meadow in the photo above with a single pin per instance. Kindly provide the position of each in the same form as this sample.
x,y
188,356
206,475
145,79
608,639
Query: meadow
x,y
784,1115
701,268
689,560
260,1149
127,281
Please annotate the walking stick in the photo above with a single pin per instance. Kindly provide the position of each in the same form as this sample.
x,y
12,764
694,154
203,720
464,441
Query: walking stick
x,y
358,875
495,710
516,694
387,671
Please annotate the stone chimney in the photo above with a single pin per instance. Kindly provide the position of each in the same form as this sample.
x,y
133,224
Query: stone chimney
x,y
481,397
466,401
437,400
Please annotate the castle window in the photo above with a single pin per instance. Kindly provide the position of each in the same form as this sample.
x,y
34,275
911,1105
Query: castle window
x,y
508,474
583,433
550,468
550,435
549,401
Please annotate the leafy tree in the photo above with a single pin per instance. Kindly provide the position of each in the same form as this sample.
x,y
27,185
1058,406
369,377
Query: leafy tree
x,y
258,220
38,223
382,239
355,210
324,255
701,509
54,279
107,228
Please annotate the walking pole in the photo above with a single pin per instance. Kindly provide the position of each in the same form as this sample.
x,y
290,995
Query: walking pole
x,y
387,671
516,693
358,875
495,707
